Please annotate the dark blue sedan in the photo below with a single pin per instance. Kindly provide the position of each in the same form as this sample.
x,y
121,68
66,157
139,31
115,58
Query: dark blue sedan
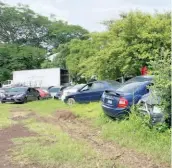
x,y
91,92
117,103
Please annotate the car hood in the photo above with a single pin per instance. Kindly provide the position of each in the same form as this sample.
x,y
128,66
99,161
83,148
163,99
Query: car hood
x,y
151,99
13,93
70,91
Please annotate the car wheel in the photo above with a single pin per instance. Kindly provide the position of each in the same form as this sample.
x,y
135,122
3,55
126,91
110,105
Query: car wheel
x,y
25,100
71,101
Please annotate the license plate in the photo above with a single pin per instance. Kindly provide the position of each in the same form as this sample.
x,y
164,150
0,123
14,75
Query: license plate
x,y
109,101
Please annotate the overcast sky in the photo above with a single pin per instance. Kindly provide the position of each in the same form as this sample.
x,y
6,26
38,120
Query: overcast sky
x,y
89,13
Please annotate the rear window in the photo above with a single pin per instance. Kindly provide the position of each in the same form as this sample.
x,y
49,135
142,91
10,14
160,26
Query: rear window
x,y
114,83
139,79
130,88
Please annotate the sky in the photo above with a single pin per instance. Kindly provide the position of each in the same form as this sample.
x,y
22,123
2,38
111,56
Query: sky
x,y
90,13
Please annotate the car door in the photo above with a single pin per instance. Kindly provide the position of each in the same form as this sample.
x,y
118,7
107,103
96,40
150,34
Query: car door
x,y
83,95
96,91
35,94
29,95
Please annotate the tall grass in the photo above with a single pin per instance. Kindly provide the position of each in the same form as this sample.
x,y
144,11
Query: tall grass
x,y
133,133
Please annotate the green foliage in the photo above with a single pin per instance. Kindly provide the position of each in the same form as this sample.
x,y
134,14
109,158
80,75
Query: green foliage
x,y
14,57
61,32
21,25
129,43
24,34
161,68
133,133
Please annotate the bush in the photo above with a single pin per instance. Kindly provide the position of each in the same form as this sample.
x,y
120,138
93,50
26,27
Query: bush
x,y
162,82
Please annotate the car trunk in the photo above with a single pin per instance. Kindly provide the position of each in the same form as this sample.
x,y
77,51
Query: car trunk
x,y
111,98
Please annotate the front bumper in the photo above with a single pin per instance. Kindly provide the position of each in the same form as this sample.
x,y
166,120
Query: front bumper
x,y
12,100
115,113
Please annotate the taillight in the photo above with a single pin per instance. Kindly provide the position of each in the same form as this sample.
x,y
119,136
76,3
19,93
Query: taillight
x,y
123,103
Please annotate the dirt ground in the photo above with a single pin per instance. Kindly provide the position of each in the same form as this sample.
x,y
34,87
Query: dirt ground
x,y
76,128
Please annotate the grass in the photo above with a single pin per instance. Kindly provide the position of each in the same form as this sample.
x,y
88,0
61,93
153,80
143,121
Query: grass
x,y
53,148
131,133
4,116
134,134
45,108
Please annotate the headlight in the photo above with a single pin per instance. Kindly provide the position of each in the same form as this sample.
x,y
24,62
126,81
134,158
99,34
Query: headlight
x,y
103,96
66,94
18,96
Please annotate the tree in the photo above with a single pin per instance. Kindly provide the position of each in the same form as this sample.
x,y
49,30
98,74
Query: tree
x,y
15,57
22,26
130,42
61,32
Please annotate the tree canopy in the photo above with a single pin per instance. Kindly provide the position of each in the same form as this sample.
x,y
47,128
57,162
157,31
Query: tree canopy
x,y
26,38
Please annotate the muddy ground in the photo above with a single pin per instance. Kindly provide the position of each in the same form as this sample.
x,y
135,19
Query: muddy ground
x,y
77,129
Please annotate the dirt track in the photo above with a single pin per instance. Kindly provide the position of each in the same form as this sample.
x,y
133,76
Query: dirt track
x,y
78,129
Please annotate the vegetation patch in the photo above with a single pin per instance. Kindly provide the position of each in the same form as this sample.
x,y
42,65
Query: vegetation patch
x,y
53,148
4,116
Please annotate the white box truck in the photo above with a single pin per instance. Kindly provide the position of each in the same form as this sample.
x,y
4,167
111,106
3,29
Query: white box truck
x,y
41,77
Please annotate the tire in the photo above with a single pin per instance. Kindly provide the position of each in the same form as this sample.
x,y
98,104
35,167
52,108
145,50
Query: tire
x,y
71,101
25,100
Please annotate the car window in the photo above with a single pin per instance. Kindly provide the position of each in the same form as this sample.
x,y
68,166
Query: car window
x,y
54,90
87,87
96,86
130,88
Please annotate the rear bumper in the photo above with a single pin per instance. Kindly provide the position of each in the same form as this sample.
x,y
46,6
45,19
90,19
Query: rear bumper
x,y
116,113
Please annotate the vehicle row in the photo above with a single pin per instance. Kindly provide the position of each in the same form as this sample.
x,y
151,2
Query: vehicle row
x,y
116,98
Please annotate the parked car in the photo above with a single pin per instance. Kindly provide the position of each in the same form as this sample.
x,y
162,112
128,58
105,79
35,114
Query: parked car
x,y
117,103
21,95
149,105
91,92
124,79
53,91
2,94
72,89
3,91
59,94
44,94
140,79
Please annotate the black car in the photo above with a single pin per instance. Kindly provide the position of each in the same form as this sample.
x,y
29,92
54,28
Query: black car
x,y
21,95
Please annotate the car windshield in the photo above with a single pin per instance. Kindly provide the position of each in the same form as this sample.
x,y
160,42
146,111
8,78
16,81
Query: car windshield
x,y
6,89
78,86
129,88
54,90
18,89
139,79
